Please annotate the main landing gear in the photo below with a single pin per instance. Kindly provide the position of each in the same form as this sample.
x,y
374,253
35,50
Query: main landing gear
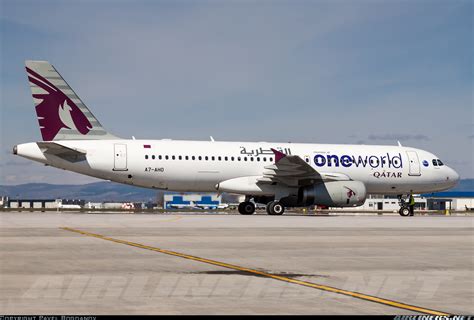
x,y
275,208
404,208
247,208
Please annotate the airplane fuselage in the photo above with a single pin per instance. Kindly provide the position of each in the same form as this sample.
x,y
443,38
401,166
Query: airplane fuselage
x,y
200,166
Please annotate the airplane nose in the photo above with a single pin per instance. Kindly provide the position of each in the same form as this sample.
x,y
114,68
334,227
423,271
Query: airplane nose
x,y
456,176
453,176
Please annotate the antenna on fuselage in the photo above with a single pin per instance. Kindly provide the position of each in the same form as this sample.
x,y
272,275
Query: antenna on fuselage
x,y
212,139
399,144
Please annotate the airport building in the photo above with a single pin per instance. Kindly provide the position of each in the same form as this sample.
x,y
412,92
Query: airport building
x,y
42,203
192,201
66,204
31,203
385,203
456,201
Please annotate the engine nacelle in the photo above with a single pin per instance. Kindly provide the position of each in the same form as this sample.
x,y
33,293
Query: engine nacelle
x,y
333,194
249,185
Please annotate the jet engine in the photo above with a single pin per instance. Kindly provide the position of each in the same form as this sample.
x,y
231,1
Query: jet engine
x,y
333,194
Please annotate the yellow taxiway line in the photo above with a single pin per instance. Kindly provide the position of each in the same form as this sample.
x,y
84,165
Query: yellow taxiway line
x,y
391,303
171,219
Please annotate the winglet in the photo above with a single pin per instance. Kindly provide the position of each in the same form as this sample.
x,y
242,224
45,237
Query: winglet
x,y
278,155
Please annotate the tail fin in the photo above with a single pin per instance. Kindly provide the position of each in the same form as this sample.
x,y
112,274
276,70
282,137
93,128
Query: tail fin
x,y
61,114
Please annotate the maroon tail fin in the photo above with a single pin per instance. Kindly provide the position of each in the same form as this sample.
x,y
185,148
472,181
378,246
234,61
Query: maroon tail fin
x,y
61,114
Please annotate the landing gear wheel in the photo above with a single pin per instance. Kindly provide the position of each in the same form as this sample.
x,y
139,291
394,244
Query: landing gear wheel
x,y
246,208
404,211
275,208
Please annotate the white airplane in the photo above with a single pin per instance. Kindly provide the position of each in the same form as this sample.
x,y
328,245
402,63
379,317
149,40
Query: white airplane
x,y
211,206
278,175
182,206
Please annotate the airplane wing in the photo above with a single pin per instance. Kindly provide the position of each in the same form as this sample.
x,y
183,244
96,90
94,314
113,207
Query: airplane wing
x,y
293,171
63,152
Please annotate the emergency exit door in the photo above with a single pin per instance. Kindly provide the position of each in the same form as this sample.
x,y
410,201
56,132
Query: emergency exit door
x,y
414,163
120,157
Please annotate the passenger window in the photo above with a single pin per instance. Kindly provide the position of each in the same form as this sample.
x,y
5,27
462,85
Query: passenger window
x,y
251,159
153,157
231,158
238,158
199,158
219,158
440,163
193,157
213,158
186,157
225,158
264,159
166,157
159,157
245,158
172,157
180,158
146,156
435,163
205,158
258,158
271,159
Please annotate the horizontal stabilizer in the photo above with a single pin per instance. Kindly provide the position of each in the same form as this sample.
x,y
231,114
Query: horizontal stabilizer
x,y
63,152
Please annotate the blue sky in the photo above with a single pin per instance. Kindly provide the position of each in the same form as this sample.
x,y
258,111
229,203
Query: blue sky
x,y
370,72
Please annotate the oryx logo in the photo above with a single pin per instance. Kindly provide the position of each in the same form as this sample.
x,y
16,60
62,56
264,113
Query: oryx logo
x,y
56,110
350,192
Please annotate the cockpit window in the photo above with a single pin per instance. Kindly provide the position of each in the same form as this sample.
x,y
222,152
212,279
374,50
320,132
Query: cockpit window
x,y
439,162
435,163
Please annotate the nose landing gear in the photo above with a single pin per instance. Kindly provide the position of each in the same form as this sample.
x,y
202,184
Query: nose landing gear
x,y
404,207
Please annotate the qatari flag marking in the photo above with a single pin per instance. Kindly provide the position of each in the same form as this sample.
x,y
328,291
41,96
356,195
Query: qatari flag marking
x,y
147,146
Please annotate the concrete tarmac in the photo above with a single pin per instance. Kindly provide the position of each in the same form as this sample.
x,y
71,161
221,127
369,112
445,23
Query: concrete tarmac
x,y
422,261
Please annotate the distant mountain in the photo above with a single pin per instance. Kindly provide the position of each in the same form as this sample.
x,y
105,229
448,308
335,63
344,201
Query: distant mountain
x,y
98,191
111,191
